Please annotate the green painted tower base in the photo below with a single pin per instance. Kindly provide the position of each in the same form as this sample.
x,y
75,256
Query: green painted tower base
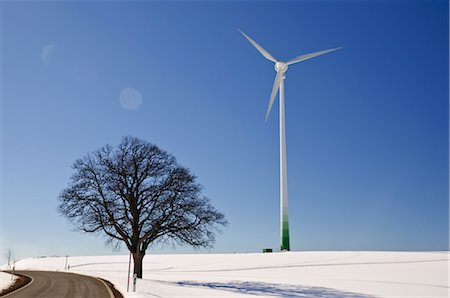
x,y
285,234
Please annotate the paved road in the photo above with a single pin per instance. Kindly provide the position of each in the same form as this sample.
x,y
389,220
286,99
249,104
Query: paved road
x,y
61,285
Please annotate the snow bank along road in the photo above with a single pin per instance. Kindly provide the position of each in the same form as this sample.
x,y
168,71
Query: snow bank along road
x,y
6,280
61,284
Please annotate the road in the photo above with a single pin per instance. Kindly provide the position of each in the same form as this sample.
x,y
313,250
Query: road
x,y
62,285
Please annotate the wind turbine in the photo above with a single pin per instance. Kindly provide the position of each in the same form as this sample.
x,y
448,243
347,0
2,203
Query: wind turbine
x,y
281,68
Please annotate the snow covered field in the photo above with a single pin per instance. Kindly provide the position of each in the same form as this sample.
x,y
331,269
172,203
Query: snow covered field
x,y
287,274
6,280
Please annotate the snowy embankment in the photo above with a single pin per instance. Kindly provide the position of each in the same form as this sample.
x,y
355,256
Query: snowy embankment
x,y
6,280
292,274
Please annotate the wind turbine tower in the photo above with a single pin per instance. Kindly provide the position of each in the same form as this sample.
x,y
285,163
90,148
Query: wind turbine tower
x,y
278,85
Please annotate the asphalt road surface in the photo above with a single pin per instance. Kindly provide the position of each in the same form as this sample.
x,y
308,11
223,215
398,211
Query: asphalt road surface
x,y
61,285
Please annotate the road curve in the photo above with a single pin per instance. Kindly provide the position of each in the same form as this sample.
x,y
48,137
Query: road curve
x,y
50,284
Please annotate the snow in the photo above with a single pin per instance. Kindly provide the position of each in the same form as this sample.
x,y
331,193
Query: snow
x,y
283,274
6,280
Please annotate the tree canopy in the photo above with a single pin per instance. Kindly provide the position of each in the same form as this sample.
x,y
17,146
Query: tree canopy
x,y
139,195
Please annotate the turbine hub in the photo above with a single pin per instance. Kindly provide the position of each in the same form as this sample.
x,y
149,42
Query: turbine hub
x,y
281,66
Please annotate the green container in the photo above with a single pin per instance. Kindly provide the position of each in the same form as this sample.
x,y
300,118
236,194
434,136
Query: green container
x,y
267,250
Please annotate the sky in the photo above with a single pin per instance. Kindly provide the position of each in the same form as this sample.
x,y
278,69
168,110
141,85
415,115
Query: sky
x,y
366,126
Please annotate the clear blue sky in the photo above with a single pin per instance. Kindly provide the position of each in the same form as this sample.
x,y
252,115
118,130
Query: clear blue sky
x,y
367,126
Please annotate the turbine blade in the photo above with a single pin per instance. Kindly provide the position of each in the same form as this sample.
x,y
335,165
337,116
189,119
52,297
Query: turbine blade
x,y
309,56
259,48
276,86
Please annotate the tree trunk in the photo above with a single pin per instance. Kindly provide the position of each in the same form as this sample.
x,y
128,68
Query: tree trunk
x,y
137,258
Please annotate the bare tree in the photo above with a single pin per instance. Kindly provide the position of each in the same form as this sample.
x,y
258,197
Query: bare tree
x,y
139,195
10,257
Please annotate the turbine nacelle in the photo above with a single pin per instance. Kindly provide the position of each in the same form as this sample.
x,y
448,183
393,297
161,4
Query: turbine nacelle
x,y
281,66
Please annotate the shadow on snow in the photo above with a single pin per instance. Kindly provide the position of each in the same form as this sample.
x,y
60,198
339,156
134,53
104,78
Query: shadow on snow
x,y
271,289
